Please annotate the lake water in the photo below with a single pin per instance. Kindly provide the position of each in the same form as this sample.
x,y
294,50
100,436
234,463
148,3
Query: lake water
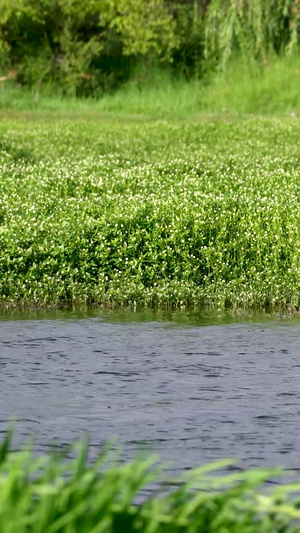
x,y
190,386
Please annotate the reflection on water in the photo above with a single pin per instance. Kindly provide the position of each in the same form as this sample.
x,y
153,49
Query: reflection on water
x,y
130,315
196,389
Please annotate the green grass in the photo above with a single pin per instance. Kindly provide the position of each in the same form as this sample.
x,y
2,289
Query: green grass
x,y
150,212
166,193
49,494
245,87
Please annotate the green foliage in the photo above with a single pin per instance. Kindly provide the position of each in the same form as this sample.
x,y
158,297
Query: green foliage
x,y
161,213
53,40
84,47
242,87
145,27
254,28
188,56
81,46
51,494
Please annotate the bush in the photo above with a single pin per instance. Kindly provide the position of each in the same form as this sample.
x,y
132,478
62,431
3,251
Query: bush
x,y
84,48
80,46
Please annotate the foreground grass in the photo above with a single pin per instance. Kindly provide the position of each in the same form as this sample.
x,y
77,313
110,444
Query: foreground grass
x,y
150,212
49,494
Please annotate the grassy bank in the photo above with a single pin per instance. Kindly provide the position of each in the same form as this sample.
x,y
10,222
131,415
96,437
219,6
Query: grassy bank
x,y
49,494
245,87
150,212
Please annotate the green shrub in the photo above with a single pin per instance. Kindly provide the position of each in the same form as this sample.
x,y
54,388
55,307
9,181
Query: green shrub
x,y
81,46
157,213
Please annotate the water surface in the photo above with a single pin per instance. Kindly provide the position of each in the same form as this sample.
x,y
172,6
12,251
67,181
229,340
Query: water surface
x,y
190,386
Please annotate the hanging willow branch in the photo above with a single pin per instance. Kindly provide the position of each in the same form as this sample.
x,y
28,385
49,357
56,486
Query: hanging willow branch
x,y
252,27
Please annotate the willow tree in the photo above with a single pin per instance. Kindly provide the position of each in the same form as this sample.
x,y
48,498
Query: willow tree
x,y
254,28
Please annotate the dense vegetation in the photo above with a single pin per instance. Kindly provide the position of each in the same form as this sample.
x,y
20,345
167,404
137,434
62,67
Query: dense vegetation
x,y
85,48
151,212
273,89
48,494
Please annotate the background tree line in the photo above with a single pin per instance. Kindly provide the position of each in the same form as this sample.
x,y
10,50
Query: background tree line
x,y
85,47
